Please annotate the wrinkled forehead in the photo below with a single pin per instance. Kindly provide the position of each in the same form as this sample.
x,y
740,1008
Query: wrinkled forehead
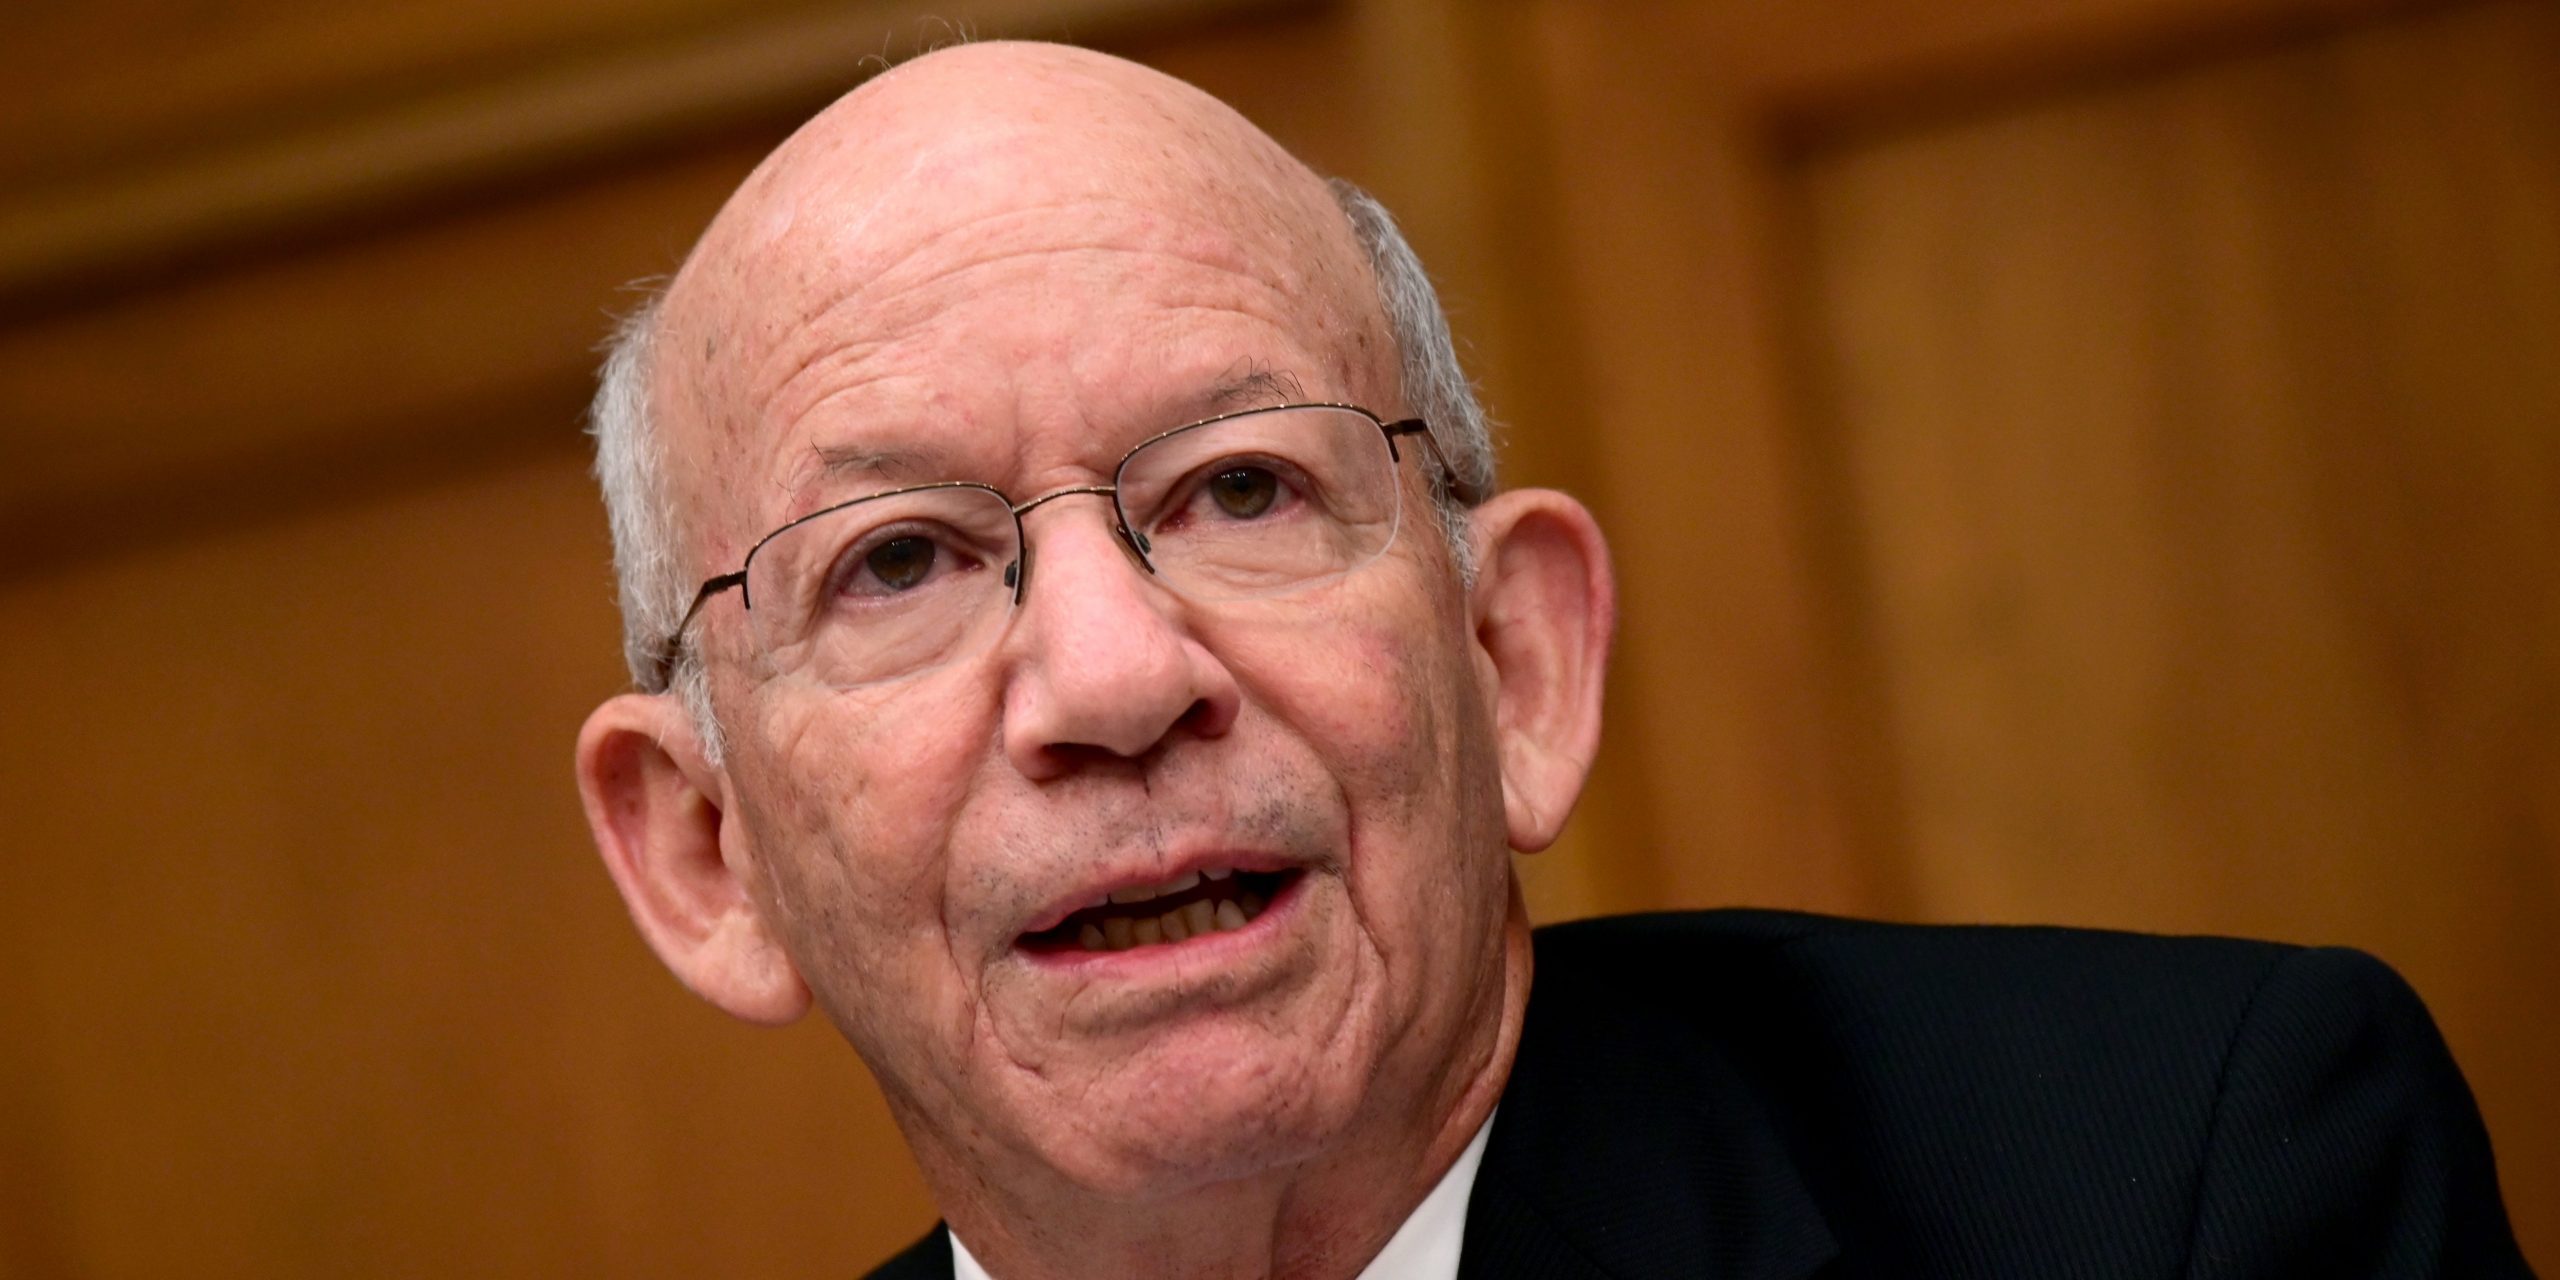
x,y
914,168
984,130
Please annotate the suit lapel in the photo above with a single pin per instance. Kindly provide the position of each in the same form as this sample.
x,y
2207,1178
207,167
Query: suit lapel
x,y
1627,1148
926,1259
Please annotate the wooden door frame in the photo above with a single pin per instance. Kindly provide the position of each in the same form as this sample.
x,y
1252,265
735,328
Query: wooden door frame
x,y
1678,125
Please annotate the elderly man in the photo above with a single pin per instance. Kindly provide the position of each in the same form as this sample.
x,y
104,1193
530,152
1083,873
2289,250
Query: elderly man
x,y
1081,651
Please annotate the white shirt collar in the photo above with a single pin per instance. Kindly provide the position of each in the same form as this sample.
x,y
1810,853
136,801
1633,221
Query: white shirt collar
x,y
1424,1248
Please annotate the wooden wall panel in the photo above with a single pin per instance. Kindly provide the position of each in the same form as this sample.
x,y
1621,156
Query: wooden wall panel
x,y
1734,717
155,136
2203,434
309,968
420,337
105,83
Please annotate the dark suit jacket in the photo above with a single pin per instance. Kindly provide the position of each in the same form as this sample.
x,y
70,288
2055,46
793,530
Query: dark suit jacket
x,y
1751,1095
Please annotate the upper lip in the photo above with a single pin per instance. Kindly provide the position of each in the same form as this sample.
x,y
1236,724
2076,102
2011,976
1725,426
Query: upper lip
x,y
1087,892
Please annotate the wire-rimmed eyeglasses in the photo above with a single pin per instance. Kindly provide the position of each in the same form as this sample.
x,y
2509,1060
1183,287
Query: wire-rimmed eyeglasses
x,y
1245,505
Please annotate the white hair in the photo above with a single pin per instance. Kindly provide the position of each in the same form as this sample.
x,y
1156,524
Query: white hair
x,y
656,588
1436,388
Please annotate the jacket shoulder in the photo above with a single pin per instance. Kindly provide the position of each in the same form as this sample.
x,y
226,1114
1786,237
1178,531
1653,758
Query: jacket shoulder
x,y
1971,1091
1791,977
928,1258
1807,940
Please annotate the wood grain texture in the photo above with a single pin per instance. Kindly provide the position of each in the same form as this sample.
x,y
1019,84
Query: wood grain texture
x,y
1804,62
277,120
2204,434
309,968
379,345
1732,705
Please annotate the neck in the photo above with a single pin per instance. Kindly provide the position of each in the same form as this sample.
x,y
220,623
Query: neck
x,y
1318,1219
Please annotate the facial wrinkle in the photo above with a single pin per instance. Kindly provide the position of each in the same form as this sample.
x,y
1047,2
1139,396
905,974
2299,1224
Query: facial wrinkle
x,y
1203,247
1248,383
1240,303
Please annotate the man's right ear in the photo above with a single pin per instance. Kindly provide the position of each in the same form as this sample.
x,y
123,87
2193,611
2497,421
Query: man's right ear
x,y
655,805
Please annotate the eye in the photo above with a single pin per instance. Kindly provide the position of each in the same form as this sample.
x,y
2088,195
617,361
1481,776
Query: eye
x,y
1244,492
1235,491
900,564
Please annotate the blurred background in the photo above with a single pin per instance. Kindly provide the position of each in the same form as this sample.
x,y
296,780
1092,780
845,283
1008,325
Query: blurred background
x,y
2074,460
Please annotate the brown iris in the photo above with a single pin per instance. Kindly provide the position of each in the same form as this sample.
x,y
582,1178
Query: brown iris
x,y
1244,492
901,563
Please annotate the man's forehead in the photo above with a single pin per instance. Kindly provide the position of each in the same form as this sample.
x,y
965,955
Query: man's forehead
x,y
924,458
899,174
979,131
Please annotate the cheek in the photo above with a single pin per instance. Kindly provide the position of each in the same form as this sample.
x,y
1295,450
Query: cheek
x,y
1373,693
851,807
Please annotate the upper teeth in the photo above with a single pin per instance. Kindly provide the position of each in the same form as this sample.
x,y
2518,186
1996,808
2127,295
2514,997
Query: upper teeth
x,y
1179,883
1193,919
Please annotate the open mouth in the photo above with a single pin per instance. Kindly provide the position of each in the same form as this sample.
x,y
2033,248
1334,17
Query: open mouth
x,y
1191,905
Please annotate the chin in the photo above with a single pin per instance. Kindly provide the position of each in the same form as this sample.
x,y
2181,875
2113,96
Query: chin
x,y
1181,1126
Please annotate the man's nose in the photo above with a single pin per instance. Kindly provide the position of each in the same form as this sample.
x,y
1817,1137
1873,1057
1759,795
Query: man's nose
x,y
1101,665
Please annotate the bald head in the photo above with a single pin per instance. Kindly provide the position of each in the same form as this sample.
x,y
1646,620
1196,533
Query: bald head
x,y
984,130
939,196
951,177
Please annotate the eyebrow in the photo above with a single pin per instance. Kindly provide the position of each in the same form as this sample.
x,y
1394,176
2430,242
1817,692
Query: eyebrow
x,y
1266,386
889,463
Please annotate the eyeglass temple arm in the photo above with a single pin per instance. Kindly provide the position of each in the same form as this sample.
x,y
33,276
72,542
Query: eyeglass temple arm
x,y
662,660
1450,482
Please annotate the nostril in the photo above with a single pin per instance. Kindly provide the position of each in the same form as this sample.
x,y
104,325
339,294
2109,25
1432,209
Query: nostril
x,y
1208,717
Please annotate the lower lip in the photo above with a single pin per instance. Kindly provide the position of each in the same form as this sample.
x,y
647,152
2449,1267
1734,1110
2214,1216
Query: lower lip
x,y
1206,948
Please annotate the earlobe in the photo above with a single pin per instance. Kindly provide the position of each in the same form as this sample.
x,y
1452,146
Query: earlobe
x,y
654,804
1545,608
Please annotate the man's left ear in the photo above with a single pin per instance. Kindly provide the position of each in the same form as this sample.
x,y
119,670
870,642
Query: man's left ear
x,y
1544,608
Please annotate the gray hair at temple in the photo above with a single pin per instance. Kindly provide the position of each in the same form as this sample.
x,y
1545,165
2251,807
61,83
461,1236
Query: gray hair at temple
x,y
656,587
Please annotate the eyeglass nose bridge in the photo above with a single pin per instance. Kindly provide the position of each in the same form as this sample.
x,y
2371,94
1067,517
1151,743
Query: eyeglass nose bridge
x,y
1018,574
